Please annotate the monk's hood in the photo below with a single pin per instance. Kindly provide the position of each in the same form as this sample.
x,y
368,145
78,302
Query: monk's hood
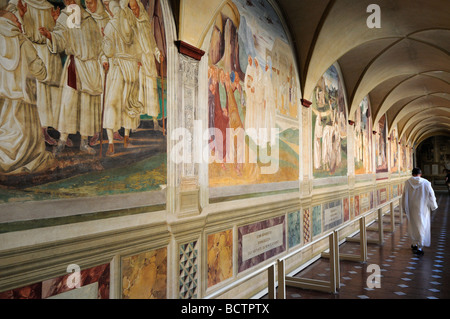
x,y
415,182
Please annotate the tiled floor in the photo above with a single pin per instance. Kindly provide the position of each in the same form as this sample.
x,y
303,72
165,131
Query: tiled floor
x,y
403,275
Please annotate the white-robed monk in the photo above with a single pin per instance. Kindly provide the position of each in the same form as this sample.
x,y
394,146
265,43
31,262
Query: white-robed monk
x,y
418,201
122,107
22,147
148,87
40,13
97,11
81,83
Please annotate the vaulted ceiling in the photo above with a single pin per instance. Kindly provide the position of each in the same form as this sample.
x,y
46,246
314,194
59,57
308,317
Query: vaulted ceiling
x,y
404,66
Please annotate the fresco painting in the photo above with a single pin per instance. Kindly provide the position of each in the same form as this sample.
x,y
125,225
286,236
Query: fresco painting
x,y
381,160
394,152
220,257
329,126
252,90
362,131
85,129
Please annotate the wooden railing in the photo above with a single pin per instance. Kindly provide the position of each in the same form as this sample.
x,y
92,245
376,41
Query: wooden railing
x,y
277,280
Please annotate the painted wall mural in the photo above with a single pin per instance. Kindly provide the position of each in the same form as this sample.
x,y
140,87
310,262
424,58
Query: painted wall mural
x,y
329,126
381,160
362,131
252,91
220,257
65,149
144,275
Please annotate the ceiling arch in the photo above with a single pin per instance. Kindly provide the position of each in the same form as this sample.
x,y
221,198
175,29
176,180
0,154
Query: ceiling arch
x,y
422,126
428,102
438,112
422,116
402,66
440,130
431,133
419,85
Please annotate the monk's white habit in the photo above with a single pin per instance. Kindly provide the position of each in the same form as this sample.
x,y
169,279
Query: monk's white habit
x,y
81,100
22,146
122,107
418,202
148,87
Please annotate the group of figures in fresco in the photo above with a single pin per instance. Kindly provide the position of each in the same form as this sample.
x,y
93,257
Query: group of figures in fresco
x,y
101,75
232,107
330,124
108,79
363,138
